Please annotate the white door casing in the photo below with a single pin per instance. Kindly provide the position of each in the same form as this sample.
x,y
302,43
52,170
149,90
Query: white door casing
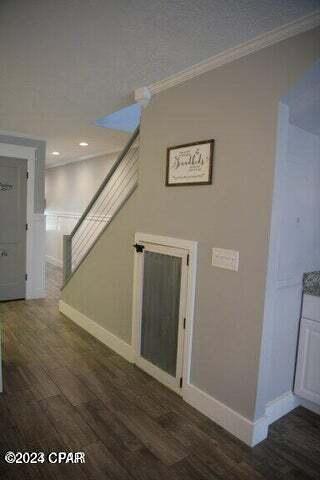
x,y
175,247
13,213
162,376
35,257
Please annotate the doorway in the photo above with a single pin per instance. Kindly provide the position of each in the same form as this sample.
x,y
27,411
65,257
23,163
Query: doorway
x,y
162,323
13,221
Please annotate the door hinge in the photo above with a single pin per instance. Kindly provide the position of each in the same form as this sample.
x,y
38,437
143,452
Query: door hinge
x,y
27,175
26,276
181,382
184,323
139,248
27,226
188,258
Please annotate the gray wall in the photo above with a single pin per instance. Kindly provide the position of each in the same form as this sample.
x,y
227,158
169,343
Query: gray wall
x,y
69,189
237,105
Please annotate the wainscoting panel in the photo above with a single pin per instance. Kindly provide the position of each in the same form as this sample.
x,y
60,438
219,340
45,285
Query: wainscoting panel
x,y
62,223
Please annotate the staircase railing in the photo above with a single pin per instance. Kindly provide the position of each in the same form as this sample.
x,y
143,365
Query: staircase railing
x,y
119,184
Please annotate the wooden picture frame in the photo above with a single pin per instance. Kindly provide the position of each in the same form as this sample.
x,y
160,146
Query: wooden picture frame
x,y
190,164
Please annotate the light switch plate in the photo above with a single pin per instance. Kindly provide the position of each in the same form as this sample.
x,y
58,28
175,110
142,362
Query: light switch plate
x,y
227,259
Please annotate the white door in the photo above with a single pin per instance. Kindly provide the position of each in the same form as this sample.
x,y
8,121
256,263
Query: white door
x,y
13,212
162,292
307,384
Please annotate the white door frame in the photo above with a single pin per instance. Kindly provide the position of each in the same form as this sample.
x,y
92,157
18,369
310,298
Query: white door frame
x,y
191,247
35,267
173,382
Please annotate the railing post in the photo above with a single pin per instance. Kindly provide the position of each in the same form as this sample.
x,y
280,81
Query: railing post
x,y
67,257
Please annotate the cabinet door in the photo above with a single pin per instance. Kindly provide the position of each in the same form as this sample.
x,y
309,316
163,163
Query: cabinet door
x,y
307,383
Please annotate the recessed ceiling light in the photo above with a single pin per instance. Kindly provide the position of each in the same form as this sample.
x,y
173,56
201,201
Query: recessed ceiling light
x,y
83,144
55,153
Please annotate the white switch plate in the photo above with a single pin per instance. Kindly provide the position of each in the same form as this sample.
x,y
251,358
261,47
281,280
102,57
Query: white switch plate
x,y
228,259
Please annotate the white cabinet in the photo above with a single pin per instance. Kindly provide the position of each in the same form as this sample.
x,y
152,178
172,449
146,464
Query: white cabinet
x,y
307,384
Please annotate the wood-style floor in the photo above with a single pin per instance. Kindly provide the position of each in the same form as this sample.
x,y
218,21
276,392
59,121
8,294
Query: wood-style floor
x,y
65,391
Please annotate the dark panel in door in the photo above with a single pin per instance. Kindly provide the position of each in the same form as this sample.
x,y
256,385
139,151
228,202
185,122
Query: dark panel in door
x,y
160,310
13,213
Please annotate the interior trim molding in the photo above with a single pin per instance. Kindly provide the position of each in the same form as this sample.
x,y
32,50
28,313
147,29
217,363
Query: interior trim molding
x,y
54,261
191,247
76,216
35,241
264,40
38,293
54,213
36,283
109,339
309,405
281,406
248,431
275,409
21,135
63,163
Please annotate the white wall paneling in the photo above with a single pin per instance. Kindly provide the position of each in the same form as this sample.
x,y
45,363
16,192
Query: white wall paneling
x,y
62,223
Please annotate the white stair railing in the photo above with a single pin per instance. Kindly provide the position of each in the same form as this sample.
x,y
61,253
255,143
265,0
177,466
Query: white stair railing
x,y
114,191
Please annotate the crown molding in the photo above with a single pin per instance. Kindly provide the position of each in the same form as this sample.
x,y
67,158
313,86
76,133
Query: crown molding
x,y
264,40
110,153
11,133
62,163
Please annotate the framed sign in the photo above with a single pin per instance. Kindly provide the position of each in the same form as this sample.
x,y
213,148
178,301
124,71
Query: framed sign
x,y
190,164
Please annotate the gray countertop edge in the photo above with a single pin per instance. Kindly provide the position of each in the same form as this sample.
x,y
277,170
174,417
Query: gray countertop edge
x,y
311,283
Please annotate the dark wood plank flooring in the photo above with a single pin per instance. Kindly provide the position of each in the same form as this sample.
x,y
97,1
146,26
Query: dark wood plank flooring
x,y
65,391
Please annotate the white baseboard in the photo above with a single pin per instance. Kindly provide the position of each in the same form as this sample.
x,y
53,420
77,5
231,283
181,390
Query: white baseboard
x,y
274,410
109,339
241,427
281,406
249,431
309,405
36,293
244,429
54,261
259,431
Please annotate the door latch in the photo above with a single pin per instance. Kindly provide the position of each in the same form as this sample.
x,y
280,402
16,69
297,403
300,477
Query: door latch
x,y
139,248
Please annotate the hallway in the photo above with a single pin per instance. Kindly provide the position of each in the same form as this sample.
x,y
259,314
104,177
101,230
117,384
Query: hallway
x,y
65,391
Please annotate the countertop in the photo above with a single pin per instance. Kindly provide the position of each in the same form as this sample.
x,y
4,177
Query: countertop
x,y
311,284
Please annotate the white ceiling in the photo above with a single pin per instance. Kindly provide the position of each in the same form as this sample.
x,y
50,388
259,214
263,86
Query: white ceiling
x,y
65,63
